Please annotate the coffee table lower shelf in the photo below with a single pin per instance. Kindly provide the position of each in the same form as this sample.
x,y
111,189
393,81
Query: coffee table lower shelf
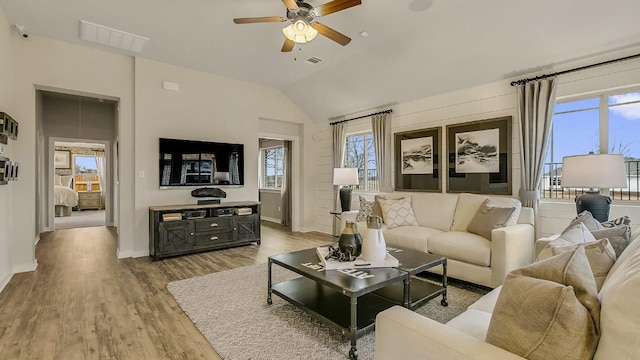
x,y
331,306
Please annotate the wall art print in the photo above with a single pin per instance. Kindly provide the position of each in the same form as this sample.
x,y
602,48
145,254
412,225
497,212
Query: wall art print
x,y
479,157
477,151
417,155
417,160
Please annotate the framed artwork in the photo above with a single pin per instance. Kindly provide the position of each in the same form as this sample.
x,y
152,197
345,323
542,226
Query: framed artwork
x,y
62,159
479,157
417,159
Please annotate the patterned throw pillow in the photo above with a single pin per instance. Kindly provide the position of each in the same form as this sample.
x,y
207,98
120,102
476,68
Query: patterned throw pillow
x,y
398,212
366,209
624,220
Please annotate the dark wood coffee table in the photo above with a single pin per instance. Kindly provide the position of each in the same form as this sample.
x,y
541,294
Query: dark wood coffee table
x,y
344,299
419,290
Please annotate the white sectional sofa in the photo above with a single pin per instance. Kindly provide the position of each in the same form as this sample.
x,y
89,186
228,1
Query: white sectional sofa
x,y
403,334
442,230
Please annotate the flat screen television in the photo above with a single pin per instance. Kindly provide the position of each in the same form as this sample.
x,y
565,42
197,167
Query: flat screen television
x,y
197,163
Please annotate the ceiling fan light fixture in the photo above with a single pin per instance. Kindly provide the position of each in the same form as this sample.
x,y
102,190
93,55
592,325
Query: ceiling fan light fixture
x,y
300,32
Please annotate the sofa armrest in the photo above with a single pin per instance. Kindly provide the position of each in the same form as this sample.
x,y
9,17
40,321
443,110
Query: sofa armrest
x,y
404,334
511,248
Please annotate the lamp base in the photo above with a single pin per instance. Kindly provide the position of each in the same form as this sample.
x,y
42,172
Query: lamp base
x,y
598,205
345,198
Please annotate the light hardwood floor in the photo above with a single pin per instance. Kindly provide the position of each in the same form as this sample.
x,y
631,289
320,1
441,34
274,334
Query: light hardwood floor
x,y
83,303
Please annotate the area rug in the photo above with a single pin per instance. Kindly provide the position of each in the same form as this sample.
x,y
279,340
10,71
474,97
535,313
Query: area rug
x,y
230,309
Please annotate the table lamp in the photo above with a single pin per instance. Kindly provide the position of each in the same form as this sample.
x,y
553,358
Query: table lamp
x,y
594,171
342,177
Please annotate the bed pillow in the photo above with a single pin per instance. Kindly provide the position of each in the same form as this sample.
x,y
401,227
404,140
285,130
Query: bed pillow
x,y
562,317
398,212
66,180
489,217
366,209
57,180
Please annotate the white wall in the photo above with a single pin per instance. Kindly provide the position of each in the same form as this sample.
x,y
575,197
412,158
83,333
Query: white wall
x,y
483,102
207,107
52,65
6,191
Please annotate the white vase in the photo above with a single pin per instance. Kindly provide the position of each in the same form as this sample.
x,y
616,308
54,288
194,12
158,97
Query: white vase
x,y
374,247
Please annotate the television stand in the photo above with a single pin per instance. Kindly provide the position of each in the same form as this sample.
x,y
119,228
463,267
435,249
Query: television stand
x,y
185,229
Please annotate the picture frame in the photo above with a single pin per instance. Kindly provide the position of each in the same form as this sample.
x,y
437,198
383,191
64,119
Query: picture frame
x,y
417,160
62,159
479,157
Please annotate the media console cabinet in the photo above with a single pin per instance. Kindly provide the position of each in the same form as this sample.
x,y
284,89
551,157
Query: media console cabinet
x,y
185,229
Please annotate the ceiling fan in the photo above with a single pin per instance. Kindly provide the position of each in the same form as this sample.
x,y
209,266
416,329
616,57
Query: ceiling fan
x,y
304,27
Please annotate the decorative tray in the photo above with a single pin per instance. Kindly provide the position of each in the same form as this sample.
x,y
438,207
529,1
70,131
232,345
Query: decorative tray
x,y
359,263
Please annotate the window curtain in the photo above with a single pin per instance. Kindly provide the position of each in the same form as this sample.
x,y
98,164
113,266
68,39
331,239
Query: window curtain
x,y
338,156
102,171
381,125
535,111
285,215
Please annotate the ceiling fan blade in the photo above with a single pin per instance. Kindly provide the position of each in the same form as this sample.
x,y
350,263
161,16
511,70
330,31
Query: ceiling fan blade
x,y
335,6
331,34
288,45
263,19
290,4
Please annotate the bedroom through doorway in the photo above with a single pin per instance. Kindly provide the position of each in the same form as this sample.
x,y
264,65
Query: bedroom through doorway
x,y
79,175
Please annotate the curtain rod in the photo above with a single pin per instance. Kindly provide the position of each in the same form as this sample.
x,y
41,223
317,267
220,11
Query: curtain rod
x,y
363,116
541,77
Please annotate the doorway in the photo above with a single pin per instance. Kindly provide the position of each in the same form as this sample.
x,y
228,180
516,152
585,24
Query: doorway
x,y
275,180
79,184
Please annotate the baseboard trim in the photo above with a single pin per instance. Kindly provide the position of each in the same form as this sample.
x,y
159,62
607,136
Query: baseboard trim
x,y
4,281
125,254
37,240
139,254
25,267
270,219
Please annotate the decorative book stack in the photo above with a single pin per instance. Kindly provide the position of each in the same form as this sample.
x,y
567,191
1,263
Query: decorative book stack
x,y
243,211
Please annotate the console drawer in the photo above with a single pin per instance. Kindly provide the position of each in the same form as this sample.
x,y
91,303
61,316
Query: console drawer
x,y
214,224
213,237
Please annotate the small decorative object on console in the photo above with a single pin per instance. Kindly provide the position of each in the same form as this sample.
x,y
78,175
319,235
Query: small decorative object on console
x,y
209,192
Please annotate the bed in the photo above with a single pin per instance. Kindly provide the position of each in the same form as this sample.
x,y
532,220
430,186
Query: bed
x,y
64,197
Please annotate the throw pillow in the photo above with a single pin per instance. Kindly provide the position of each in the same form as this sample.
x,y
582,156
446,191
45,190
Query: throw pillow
x,y
619,237
588,220
489,217
600,254
623,220
574,234
66,180
366,209
548,310
398,212
57,180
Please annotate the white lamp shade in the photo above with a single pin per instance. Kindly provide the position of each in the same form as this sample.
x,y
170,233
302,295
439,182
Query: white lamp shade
x,y
345,176
594,171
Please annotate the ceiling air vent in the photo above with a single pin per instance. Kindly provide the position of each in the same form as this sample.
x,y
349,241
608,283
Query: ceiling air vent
x,y
111,37
313,60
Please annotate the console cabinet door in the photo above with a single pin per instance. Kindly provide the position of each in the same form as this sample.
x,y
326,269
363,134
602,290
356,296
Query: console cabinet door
x,y
175,236
247,227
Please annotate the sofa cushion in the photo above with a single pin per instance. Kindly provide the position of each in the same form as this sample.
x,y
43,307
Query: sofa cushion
x,y
366,209
472,322
434,210
574,234
412,237
620,313
600,254
398,212
619,237
468,204
489,217
588,220
462,246
562,314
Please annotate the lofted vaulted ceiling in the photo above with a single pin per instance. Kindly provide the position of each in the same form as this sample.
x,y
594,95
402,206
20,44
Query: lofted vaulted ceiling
x,y
416,48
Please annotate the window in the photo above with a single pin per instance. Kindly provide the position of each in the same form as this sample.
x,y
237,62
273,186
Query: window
x,y
607,123
272,167
85,173
359,153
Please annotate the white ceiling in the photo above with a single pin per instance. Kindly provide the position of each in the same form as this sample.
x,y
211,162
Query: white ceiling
x,y
452,45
